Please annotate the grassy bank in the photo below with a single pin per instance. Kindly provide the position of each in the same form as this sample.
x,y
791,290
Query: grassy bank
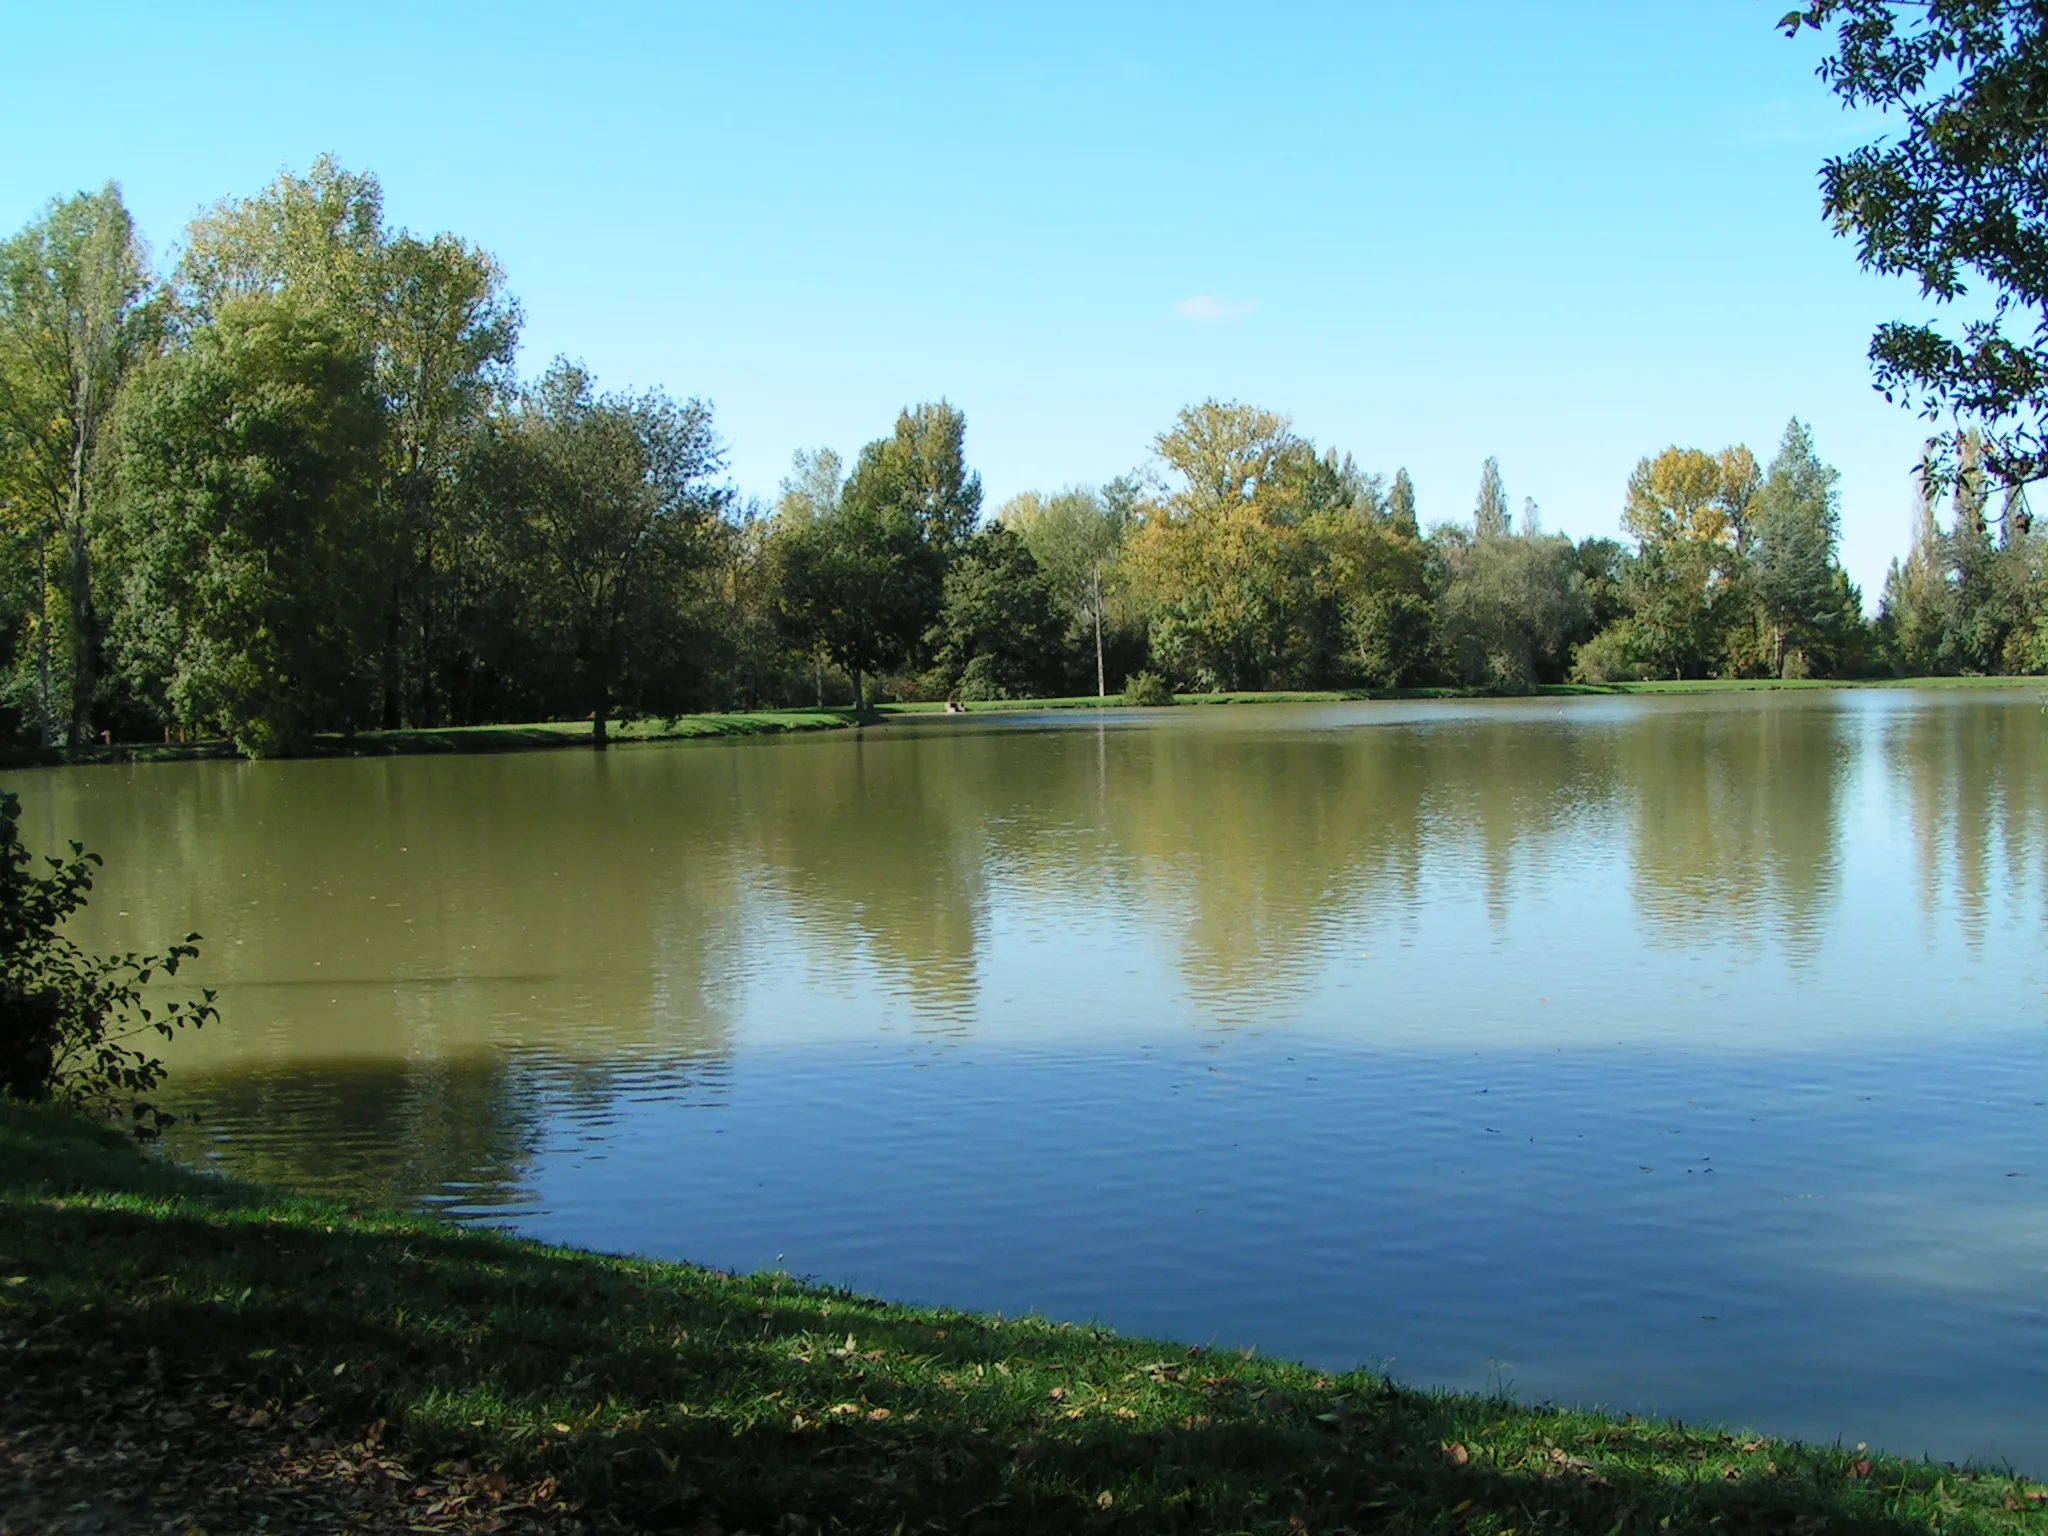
x,y
182,1352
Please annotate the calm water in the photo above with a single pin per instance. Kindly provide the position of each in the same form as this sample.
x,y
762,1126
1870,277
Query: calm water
x,y
1680,1055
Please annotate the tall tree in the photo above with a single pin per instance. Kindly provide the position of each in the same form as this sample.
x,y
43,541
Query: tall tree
x,y
1075,537
435,317
1490,518
811,488
998,634
1401,506
610,498
243,470
75,318
1956,197
1797,520
863,582
1690,512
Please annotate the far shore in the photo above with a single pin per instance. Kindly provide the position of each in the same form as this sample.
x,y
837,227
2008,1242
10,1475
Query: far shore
x,y
550,735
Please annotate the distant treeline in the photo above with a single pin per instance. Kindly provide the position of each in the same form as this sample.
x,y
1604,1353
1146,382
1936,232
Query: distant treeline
x,y
295,485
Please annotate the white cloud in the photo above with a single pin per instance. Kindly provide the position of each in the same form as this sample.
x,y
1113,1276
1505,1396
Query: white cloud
x,y
1206,306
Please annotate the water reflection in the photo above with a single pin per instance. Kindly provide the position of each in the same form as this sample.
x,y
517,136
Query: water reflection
x,y
1341,1030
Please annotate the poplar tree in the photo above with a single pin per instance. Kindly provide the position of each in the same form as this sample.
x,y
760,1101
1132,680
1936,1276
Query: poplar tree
x,y
1490,517
75,318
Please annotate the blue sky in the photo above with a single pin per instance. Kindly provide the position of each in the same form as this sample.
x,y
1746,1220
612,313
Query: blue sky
x,y
1566,234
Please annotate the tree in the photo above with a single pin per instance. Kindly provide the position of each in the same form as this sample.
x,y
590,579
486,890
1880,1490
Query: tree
x,y
1223,562
608,501
811,488
1515,604
921,471
1797,519
1401,506
1955,198
1490,519
1690,513
248,562
75,318
1075,537
434,317
997,634
810,491
863,583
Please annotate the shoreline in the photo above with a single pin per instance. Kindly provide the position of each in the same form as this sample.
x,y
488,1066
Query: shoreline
x,y
539,736
186,1350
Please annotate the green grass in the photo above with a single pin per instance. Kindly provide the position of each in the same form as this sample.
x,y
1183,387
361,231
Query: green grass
x,y
181,1351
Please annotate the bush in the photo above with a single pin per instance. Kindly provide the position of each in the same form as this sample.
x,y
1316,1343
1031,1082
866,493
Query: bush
x,y
982,682
1147,690
66,1017
1605,659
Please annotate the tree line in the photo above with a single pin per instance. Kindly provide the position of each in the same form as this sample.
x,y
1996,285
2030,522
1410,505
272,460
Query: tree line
x,y
296,485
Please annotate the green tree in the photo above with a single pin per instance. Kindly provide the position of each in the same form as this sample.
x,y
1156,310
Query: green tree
x,y
1401,506
1953,199
998,635
76,316
434,316
1514,606
1797,519
607,505
1490,518
1690,512
1075,536
248,560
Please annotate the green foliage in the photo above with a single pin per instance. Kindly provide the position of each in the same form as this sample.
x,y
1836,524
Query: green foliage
x,y
1954,200
1515,605
998,635
602,505
1796,520
1490,518
77,314
1147,690
67,1018
1608,657
1392,636
243,528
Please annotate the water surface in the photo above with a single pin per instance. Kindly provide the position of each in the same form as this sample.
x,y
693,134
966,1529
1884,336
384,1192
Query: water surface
x,y
1679,1055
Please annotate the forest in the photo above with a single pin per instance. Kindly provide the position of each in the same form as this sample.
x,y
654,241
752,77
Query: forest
x,y
297,485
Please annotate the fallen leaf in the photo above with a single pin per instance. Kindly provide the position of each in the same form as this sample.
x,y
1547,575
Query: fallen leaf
x,y
841,1410
1457,1455
1860,1469
1103,1500
1058,1394
876,1415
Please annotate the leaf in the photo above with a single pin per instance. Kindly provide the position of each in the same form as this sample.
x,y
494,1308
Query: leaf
x,y
1457,1455
1104,1499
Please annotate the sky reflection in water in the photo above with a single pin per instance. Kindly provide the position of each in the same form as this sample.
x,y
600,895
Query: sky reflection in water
x,y
1675,1054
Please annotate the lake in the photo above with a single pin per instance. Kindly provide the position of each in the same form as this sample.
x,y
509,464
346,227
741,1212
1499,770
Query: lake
x,y
1681,1055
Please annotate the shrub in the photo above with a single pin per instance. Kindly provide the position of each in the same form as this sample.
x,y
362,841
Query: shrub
x,y
67,1018
1147,690
1605,659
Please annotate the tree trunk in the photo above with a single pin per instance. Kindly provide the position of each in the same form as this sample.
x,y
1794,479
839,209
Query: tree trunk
x,y
819,659
43,635
860,691
83,646
1095,595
